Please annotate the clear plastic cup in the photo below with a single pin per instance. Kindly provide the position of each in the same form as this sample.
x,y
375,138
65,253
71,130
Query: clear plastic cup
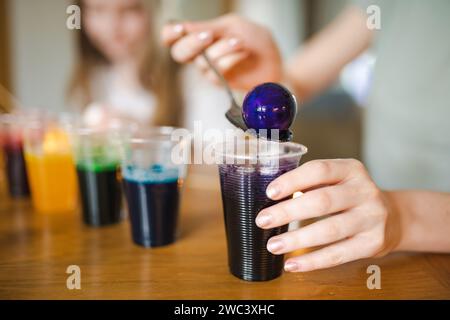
x,y
11,142
246,168
97,159
50,165
152,183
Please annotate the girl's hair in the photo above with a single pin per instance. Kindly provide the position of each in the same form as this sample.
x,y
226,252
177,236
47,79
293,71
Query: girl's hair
x,y
158,72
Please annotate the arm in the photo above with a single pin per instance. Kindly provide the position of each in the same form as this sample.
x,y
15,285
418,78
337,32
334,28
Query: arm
x,y
424,219
319,62
247,55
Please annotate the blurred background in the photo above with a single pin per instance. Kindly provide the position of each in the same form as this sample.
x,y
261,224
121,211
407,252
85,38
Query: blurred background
x,y
38,52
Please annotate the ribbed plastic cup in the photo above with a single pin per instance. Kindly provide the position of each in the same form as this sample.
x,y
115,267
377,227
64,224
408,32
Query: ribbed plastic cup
x,y
152,181
11,141
245,173
97,157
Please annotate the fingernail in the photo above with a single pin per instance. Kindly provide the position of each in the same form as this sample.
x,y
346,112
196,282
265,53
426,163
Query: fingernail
x,y
233,42
297,194
272,191
178,28
274,246
263,220
290,266
203,36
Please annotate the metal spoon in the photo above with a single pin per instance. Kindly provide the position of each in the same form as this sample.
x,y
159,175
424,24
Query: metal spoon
x,y
234,114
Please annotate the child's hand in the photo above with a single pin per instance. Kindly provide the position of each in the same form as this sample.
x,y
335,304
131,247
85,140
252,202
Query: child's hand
x,y
361,223
97,115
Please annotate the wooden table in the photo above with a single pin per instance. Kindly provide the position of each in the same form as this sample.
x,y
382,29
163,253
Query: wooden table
x,y
36,249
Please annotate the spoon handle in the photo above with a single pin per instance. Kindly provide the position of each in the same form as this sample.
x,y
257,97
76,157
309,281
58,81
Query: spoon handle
x,y
221,78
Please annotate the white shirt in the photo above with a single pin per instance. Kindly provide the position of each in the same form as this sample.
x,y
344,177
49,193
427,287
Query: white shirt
x,y
203,101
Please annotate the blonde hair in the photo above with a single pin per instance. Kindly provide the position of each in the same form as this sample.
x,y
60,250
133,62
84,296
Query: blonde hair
x,y
158,72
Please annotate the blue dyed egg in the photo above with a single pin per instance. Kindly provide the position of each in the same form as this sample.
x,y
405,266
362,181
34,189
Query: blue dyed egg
x,y
269,106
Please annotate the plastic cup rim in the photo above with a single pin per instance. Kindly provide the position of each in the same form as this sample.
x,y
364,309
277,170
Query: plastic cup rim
x,y
155,135
301,150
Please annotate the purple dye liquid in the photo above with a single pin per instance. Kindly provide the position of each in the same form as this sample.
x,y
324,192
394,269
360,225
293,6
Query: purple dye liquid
x,y
243,196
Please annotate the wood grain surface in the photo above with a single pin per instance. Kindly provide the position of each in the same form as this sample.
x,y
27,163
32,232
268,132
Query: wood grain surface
x,y
36,249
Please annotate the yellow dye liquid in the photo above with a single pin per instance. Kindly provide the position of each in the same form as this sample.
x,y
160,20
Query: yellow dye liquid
x,y
52,175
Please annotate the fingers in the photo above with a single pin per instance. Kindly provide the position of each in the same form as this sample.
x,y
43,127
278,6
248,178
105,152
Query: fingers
x,y
330,256
312,174
225,54
224,65
323,232
223,47
171,33
190,46
314,203
217,51
189,39
228,62
186,47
